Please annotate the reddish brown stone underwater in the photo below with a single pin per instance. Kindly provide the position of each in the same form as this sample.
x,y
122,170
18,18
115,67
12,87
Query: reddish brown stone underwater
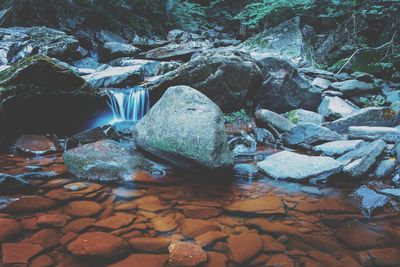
x,y
61,221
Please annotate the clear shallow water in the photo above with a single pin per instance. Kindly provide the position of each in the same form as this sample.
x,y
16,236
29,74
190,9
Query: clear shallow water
x,y
304,225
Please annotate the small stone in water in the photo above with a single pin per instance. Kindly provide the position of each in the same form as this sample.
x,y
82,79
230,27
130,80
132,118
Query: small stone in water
x,y
186,254
76,186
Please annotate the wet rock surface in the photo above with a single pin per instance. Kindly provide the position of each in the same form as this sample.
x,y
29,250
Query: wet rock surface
x,y
194,139
260,223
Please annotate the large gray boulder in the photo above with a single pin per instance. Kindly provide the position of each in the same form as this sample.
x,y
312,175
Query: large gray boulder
x,y
106,160
116,77
333,107
373,116
224,77
358,162
187,129
19,42
283,88
285,41
293,166
309,133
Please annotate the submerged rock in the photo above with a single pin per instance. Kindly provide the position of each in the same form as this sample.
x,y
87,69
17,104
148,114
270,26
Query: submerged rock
x,y
358,162
224,77
106,161
186,254
283,88
37,144
97,244
187,129
372,116
293,166
308,133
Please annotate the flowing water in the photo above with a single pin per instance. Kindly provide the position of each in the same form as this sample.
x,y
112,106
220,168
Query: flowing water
x,y
128,104
298,225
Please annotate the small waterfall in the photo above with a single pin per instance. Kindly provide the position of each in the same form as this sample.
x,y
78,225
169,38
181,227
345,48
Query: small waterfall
x,y
128,104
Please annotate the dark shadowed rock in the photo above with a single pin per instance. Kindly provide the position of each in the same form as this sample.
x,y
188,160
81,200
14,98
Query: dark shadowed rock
x,y
105,161
224,77
187,129
139,260
8,228
283,89
358,236
19,42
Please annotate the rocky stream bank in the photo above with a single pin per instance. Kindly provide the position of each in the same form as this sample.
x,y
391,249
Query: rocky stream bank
x,y
310,177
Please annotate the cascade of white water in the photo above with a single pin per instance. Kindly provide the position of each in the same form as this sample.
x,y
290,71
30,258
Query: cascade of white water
x,y
128,104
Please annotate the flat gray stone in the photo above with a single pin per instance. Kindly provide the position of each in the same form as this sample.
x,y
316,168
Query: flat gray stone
x,y
388,134
385,168
302,115
338,148
116,77
370,200
373,116
393,192
351,87
309,133
333,107
293,166
358,162
274,119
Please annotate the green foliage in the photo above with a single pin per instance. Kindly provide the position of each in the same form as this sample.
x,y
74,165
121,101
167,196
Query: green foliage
x,y
292,117
237,116
372,101
189,16
256,12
